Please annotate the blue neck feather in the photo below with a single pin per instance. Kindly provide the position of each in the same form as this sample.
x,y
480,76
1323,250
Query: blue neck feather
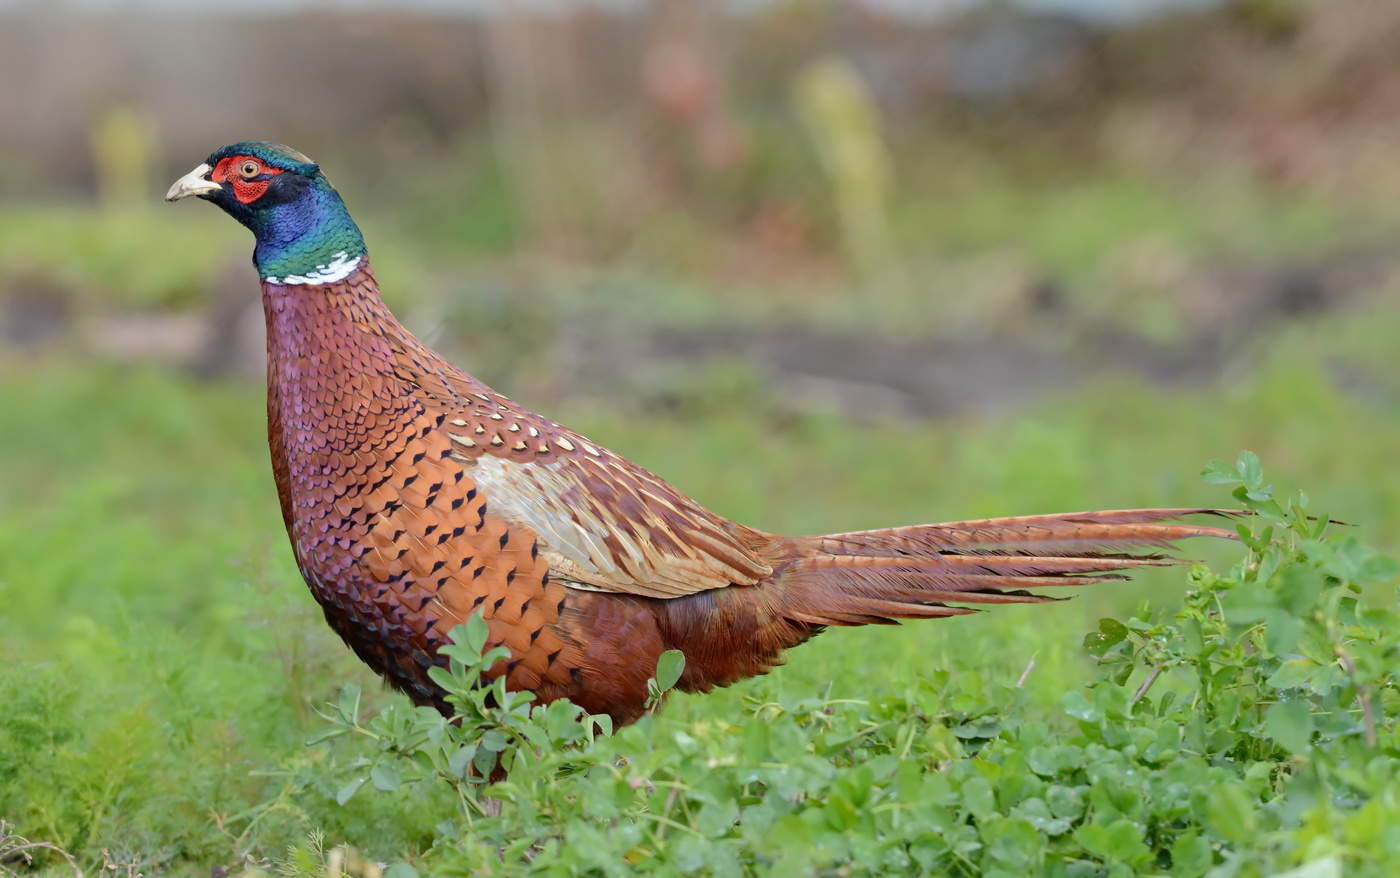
x,y
303,236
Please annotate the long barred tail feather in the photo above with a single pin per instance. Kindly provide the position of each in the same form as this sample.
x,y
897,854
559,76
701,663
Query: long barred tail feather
x,y
925,571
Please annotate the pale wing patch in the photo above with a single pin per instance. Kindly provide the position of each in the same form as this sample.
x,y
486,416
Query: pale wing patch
x,y
607,526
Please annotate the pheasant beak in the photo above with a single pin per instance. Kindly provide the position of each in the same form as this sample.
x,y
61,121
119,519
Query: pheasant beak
x,y
193,183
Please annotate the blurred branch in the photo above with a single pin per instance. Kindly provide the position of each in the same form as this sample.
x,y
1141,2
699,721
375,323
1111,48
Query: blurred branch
x,y
124,153
844,123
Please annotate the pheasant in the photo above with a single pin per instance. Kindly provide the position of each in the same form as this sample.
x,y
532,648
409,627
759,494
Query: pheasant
x,y
415,496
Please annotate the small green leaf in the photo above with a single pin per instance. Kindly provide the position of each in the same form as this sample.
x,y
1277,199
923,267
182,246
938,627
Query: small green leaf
x,y
1218,472
1013,842
443,678
1192,636
1037,814
1290,723
1111,633
1327,867
1191,855
978,798
986,727
668,669
715,819
385,777
349,705
325,735
1120,841
484,762
1077,706
460,761
472,634
346,792
1281,633
1230,810
401,870
1293,674
1064,802
1251,473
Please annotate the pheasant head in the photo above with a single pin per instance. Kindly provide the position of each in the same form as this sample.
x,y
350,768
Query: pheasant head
x,y
304,233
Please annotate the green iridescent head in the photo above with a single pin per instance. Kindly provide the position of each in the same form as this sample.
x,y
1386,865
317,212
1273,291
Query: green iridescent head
x,y
304,233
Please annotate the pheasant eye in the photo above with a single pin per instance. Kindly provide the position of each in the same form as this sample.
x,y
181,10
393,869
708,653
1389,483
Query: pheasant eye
x,y
249,169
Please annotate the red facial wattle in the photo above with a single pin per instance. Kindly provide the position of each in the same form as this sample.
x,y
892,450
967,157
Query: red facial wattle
x,y
246,188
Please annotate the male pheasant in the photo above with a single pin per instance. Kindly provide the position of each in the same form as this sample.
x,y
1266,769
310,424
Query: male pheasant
x,y
414,495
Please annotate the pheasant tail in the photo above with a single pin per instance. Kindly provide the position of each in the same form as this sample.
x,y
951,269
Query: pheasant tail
x,y
919,572
878,576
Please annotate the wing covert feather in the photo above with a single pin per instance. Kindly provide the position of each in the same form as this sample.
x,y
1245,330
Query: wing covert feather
x,y
603,523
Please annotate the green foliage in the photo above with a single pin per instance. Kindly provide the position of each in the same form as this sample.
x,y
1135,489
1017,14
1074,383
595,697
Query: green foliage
x,y
127,255
1249,732
490,727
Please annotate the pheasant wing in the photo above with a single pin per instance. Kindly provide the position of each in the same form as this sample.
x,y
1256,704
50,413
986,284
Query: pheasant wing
x,y
603,523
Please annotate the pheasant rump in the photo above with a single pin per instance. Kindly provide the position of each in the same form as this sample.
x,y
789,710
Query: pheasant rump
x,y
414,496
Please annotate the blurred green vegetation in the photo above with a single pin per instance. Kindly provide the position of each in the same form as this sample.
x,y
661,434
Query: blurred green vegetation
x,y
965,249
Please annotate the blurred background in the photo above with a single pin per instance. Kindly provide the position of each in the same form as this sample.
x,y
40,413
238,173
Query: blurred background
x,y
924,208
824,264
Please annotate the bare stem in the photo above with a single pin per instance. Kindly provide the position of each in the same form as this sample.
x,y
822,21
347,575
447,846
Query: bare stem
x,y
1147,684
1363,695
1030,666
17,847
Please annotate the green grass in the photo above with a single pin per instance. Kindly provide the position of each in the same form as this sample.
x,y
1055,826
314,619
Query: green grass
x,y
162,660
